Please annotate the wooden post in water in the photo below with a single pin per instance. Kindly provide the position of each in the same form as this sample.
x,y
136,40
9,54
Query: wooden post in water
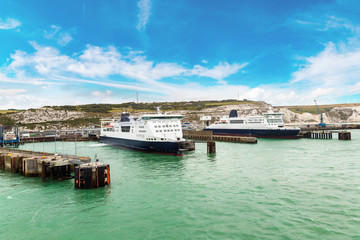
x,y
43,171
211,147
344,135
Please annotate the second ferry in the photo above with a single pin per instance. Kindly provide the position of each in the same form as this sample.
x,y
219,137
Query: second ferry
x,y
270,125
159,133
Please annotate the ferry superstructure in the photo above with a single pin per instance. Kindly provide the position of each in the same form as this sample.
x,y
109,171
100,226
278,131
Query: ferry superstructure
x,y
270,125
160,133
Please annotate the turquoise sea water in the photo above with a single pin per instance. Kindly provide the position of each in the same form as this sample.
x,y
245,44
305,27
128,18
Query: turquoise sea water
x,y
276,189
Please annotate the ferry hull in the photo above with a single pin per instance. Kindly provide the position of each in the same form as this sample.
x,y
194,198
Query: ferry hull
x,y
259,133
155,147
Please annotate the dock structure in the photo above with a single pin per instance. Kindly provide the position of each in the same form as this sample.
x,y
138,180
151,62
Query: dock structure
x,y
317,134
92,175
211,147
342,135
209,136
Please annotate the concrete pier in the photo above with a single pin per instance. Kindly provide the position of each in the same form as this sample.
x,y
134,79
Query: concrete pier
x,y
38,164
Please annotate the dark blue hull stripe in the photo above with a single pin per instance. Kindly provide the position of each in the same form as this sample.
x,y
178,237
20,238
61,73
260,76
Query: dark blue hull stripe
x,y
160,147
260,133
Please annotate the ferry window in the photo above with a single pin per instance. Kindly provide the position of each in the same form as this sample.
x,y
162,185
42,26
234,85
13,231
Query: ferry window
x,y
160,130
172,130
125,128
157,130
170,125
236,121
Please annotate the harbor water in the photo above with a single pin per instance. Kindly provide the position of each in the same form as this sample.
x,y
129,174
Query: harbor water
x,y
275,189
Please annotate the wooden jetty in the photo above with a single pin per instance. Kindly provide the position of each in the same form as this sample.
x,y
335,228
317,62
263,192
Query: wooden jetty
x,y
54,166
209,136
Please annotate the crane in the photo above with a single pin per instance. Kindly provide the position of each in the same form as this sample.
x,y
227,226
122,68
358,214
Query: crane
x,y
321,124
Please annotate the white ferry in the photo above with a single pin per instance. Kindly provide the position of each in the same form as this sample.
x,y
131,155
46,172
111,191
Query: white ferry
x,y
270,125
159,133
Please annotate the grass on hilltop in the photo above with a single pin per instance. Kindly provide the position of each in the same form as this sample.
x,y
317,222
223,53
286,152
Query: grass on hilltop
x,y
141,107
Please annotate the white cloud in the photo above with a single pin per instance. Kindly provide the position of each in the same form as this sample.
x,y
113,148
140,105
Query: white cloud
x,y
11,92
9,23
54,29
331,67
64,39
355,87
56,33
328,23
96,62
132,71
44,60
144,14
218,72
99,94
334,22
14,98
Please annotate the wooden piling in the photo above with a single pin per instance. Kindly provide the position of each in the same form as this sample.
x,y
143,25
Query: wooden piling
x,y
43,171
211,147
107,174
2,162
344,135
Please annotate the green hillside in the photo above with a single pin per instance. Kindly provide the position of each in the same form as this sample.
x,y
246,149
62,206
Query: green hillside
x,y
141,107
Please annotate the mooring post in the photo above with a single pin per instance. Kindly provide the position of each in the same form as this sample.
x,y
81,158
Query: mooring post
x,y
43,171
211,147
344,135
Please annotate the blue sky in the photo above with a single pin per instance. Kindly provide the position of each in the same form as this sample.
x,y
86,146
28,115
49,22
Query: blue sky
x,y
78,52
